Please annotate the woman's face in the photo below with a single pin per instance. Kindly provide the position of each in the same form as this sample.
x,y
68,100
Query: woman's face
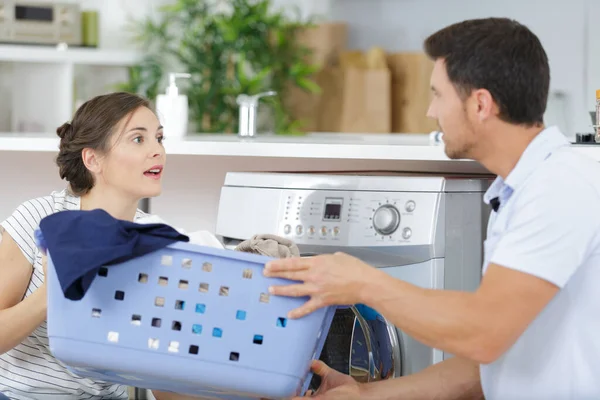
x,y
136,158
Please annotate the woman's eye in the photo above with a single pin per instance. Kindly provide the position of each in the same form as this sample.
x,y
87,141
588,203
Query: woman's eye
x,y
160,139
138,139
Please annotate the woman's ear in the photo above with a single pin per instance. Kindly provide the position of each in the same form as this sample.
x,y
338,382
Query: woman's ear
x,y
91,160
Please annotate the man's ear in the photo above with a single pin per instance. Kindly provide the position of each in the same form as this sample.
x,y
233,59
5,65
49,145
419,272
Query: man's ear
x,y
485,105
91,160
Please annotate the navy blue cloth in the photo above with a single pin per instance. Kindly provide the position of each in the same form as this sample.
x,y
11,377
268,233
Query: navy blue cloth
x,y
81,242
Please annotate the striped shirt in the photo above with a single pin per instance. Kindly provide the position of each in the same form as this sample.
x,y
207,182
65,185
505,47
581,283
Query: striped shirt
x,y
29,371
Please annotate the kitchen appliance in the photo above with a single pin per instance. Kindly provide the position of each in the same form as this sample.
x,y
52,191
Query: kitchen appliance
x,y
31,22
426,230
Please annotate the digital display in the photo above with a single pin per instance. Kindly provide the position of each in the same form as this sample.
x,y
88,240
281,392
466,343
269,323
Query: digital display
x,y
333,209
23,13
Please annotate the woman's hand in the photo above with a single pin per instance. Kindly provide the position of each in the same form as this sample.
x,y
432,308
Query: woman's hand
x,y
337,279
45,267
334,384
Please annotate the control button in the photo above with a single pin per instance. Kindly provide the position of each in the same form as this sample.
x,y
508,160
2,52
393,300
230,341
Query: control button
x,y
287,229
386,219
410,206
324,231
336,231
406,233
311,230
299,230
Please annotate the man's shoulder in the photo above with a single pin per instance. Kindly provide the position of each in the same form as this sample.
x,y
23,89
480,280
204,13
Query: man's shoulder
x,y
567,175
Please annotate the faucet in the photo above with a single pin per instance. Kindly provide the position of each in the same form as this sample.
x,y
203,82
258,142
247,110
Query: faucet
x,y
248,107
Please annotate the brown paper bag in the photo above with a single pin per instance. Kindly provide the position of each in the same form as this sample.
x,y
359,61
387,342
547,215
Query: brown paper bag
x,y
366,104
411,92
326,41
320,112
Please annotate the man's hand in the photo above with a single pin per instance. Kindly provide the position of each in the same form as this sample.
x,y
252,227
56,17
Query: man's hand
x,y
334,385
337,279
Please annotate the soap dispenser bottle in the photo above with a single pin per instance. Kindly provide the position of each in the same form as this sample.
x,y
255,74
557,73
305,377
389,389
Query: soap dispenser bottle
x,y
172,109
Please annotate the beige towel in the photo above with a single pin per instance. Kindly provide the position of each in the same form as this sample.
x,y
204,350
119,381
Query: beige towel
x,y
269,245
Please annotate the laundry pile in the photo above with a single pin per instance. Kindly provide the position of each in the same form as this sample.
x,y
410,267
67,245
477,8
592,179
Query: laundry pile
x,y
82,242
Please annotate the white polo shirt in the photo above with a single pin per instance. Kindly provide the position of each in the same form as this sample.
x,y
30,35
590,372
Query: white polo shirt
x,y
548,225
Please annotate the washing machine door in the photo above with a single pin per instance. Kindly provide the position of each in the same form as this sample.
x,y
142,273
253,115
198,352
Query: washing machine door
x,y
363,344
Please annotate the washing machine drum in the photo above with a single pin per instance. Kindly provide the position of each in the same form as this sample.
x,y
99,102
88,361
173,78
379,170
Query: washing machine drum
x,y
361,343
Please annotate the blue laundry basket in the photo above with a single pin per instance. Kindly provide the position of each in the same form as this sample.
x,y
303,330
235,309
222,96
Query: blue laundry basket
x,y
187,319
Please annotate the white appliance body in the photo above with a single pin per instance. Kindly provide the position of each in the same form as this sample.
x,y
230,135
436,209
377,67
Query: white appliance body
x,y
425,230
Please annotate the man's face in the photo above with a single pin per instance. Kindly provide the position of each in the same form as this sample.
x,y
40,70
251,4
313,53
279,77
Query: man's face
x,y
450,111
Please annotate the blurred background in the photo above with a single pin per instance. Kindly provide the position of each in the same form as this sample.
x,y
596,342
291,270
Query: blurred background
x,y
337,65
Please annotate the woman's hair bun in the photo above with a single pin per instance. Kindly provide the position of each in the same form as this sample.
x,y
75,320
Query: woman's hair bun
x,y
64,130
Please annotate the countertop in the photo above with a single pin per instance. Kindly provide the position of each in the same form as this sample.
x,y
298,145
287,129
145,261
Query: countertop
x,y
406,147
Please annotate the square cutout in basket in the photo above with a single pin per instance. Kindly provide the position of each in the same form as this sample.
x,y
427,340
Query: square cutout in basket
x,y
96,312
136,320
159,301
224,291
217,332
163,281
186,263
200,308
207,267
156,322
258,339
196,329
113,337
203,288
120,295
264,298
103,271
234,356
193,349
179,304
153,343
183,284
241,315
173,347
166,261
247,273
176,326
143,278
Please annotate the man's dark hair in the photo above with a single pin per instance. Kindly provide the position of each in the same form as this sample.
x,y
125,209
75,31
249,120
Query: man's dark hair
x,y
500,55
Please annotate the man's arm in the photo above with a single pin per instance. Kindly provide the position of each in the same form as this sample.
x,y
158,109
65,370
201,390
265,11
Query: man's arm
x,y
478,326
452,379
535,253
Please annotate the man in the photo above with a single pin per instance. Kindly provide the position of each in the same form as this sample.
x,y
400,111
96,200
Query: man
x,y
532,329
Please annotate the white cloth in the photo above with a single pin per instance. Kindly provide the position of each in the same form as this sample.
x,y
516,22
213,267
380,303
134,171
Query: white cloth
x,y
200,237
547,226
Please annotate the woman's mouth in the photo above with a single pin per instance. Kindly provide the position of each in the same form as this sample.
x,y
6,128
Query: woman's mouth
x,y
154,172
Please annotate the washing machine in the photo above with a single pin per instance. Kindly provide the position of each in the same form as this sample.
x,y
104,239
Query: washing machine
x,y
425,230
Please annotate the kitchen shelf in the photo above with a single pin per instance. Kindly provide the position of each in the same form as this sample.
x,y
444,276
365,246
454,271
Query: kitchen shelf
x,y
71,55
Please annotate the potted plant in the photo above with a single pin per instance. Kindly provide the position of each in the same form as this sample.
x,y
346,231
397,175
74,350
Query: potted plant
x,y
229,47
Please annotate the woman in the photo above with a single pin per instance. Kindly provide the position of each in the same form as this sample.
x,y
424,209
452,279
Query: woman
x,y
112,156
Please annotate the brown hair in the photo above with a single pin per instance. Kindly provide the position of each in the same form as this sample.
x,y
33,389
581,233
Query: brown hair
x,y
92,127
500,55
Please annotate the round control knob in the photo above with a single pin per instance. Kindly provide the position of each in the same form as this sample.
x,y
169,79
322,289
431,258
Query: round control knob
x,y
386,219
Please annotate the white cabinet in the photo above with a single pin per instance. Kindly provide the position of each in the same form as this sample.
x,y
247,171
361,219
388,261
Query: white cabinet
x,y
39,85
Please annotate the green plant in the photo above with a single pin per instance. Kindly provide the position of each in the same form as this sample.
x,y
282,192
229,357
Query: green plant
x,y
246,49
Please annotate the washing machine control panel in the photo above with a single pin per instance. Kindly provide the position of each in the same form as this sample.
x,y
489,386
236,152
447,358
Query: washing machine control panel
x,y
352,218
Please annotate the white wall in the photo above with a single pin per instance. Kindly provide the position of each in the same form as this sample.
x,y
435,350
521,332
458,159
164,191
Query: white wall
x,y
402,25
